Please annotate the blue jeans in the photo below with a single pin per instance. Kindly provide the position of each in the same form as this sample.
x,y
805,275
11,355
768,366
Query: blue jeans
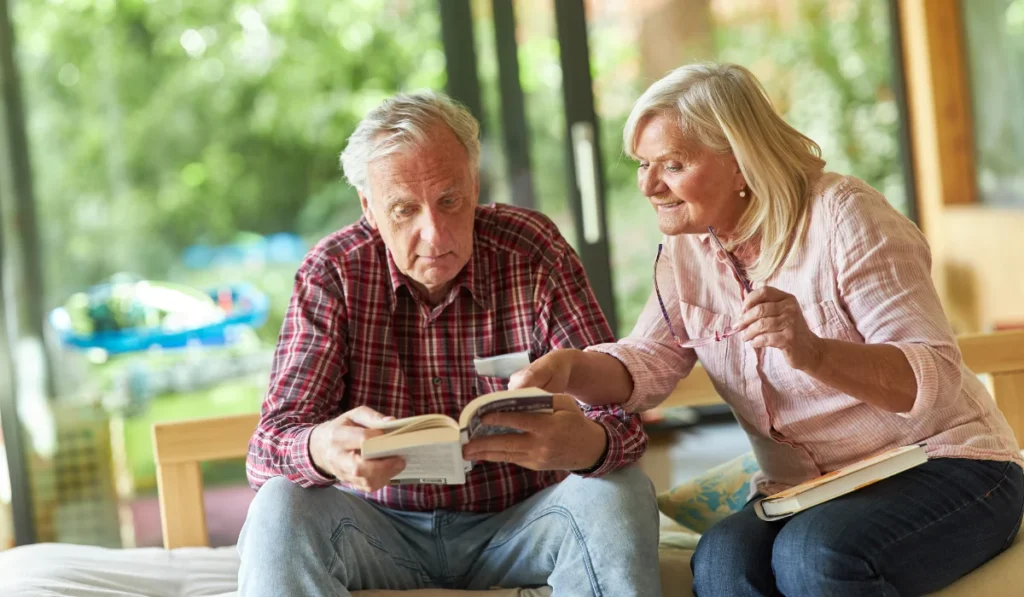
x,y
911,534
593,537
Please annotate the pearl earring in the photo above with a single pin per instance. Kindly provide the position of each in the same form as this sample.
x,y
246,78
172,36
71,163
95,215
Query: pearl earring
x,y
743,193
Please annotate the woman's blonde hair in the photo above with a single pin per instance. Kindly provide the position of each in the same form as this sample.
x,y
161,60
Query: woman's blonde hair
x,y
724,108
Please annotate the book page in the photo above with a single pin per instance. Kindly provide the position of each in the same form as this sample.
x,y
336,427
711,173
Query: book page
x,y
414,423
475,427
435,460
438,464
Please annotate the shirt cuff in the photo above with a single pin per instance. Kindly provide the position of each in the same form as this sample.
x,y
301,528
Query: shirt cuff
x,y
641,381
922,361
612,457
303,462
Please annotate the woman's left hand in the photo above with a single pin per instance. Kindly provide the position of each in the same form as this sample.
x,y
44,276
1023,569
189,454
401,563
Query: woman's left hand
x,y
772,318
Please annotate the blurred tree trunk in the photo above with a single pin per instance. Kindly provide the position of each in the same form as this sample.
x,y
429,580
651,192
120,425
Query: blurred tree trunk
x,y
21,313
22,270
673,33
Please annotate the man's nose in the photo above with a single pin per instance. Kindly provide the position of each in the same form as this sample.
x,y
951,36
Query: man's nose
x,y
432,230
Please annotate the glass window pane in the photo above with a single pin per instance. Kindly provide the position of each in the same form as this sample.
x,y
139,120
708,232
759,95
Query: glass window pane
x,y
185,157
995,50
540,76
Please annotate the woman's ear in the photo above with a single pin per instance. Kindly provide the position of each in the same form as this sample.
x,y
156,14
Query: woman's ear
x,y
739,182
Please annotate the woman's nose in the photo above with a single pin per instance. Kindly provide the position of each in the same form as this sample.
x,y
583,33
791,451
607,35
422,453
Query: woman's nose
x,y
650,182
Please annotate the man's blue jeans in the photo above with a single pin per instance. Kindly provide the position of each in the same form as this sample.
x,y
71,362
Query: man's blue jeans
x,y
592,537
911,534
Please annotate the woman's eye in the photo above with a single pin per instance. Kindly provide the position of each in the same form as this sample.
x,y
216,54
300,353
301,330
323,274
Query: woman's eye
x,y
674,168
644,165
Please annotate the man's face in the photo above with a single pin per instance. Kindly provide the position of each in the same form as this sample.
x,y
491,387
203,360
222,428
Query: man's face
x,y
423,201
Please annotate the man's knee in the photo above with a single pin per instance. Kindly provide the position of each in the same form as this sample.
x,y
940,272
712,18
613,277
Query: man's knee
x,y
282,509
623,501
627,492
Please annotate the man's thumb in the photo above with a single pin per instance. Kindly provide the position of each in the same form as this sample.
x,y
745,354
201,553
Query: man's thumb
x,y
365,416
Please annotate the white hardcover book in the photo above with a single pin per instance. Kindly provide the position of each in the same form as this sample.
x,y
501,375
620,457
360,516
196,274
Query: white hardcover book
x,y
840,482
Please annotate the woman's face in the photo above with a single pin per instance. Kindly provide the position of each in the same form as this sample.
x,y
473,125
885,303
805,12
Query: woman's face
x,y
689,186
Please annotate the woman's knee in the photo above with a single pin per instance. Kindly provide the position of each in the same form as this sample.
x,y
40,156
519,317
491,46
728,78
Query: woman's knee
x,y
733,557
809,558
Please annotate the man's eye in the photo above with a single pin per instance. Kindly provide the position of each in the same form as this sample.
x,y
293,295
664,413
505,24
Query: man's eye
x,y
402,212
449,201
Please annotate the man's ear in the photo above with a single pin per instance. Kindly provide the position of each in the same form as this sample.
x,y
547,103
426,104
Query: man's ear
x,y
364,202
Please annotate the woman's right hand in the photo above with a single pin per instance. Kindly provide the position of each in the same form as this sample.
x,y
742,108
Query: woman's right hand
x,y
550,373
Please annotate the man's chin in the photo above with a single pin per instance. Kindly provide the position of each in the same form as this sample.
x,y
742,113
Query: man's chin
x,y
437,276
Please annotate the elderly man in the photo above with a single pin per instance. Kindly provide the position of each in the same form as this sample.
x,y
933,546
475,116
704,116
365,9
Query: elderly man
x,y
385,321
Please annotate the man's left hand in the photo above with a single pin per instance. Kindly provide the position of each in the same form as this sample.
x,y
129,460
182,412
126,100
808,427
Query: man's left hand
x,y
562,440
773,319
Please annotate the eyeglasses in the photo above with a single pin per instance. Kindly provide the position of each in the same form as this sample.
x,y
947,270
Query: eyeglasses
x,y
719,335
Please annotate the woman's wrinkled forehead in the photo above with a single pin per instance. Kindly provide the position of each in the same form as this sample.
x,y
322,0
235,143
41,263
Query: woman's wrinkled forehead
x,y
668,135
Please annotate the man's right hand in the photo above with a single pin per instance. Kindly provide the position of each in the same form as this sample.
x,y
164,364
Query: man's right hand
x,y
335,449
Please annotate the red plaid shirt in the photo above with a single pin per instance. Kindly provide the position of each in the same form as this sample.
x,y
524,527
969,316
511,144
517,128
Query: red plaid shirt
x,y
355,334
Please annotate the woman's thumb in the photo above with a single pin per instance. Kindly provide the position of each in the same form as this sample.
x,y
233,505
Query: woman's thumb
x,y
524,378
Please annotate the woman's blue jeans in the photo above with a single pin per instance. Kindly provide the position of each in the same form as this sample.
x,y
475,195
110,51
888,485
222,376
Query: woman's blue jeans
x,y
911,534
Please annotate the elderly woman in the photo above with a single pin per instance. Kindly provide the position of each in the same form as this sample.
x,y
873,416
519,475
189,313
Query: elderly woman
x,y
809,302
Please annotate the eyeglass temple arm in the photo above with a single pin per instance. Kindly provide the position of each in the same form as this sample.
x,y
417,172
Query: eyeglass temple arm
x,y
732,262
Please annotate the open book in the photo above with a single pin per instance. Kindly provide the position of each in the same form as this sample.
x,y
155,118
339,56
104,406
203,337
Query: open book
x,y
839,482
432,444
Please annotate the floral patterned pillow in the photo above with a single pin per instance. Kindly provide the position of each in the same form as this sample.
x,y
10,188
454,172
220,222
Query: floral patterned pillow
x,y
704,500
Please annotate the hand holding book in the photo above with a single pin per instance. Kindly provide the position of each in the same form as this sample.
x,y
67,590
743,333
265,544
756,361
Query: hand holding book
x,y
564,439
334,448
528,427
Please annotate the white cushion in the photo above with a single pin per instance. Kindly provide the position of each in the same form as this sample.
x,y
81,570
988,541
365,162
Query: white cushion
x,y
52,570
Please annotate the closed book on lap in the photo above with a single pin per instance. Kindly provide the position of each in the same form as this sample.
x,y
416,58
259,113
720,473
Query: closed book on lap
x,y
432,444
839,482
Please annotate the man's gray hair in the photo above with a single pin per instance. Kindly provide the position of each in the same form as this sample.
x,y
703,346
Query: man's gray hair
x,y
402,121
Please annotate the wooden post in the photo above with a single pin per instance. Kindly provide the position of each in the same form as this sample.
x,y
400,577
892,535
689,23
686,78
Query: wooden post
x,y
181,492
1008,389
941,135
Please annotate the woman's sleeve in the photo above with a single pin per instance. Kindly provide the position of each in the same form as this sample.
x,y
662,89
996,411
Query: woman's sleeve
x,y
650,354
883,272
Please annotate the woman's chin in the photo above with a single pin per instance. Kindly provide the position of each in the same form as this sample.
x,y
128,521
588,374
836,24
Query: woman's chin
x,y
676,227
